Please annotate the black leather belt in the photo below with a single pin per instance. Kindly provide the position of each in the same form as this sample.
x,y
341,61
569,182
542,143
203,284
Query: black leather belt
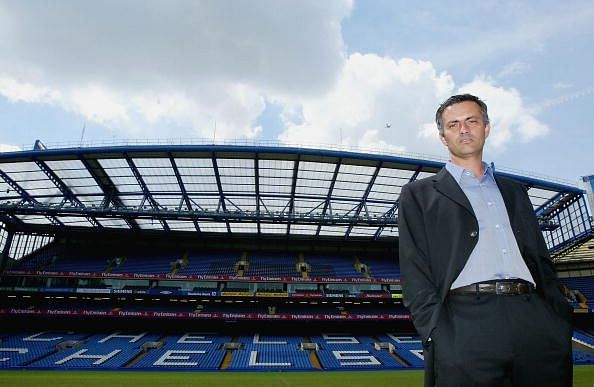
x,y
507,288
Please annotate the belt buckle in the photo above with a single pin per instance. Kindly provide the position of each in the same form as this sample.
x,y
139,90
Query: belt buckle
x,y
505,288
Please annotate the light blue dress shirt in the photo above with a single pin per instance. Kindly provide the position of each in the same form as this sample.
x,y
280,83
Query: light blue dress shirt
x,y
496,254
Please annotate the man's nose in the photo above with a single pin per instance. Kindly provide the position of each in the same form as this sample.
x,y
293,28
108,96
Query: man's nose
x,y
463,127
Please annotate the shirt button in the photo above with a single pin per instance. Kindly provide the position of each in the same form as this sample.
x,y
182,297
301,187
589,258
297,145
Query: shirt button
x,y
504,251
489,203
497,226
473,234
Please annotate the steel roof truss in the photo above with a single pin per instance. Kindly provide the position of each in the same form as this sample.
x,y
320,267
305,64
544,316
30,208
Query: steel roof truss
x,y
197,206
363,203
220,188
257,189
291,202
286,209
392,211
147,193
266,210
65,190
26,198
330,189
315,208
106,185
366,209
173,214
237,208
185,199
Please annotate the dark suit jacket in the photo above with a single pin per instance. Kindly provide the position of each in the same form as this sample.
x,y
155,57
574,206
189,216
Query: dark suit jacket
x,y
437,232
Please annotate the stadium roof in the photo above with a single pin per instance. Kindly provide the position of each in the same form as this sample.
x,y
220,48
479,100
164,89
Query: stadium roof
x,y
224,189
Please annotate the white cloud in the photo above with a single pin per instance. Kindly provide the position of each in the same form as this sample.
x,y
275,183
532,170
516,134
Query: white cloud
x,y
510,119
132,65
150,68
9,148
16,91
513,69
371,92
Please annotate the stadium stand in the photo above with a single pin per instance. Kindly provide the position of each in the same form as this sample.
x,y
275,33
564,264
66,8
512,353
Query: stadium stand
x,y
332,267
219,263
146,264
583,290
266,251
81,263
408,348
379,268
281,358
198,351
271,265
206,351
25,348
582,358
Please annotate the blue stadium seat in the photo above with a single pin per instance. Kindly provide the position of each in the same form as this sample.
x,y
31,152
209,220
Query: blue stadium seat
x,y
279,358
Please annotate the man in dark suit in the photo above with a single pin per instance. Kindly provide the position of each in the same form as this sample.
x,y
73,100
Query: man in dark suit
x,y
476,273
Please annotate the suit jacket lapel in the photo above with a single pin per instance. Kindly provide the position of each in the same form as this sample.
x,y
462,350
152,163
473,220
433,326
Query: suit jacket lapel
x,y
445,183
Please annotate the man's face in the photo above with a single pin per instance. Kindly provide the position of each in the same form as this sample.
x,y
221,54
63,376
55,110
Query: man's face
x,y
464,130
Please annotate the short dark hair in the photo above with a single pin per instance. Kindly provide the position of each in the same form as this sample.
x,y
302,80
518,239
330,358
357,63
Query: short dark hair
x,y
454,99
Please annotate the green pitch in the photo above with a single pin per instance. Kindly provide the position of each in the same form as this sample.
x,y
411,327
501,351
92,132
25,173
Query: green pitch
x,y
583,376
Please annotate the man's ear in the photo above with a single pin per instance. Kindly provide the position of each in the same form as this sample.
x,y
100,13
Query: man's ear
x,y
442,138
487,130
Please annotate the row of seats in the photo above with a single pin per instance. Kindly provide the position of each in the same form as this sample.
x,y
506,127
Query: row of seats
x,y
365,358
254,359
186,358
199,351
270,270
584,284
192,350
55,258
585,338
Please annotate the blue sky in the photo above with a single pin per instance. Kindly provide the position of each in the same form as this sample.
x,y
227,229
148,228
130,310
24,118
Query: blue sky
x,y
302,72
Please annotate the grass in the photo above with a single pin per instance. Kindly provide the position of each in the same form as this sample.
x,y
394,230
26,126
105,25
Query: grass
x,y
583,376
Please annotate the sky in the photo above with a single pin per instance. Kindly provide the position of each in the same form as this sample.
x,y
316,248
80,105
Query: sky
x,y
356,74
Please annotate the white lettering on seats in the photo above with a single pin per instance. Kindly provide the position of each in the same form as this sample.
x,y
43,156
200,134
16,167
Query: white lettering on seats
x,y
256,340
348,356
193,338
79,355
337,338
135,338
165,360
21,351
418,353
254,362
403,339
36,337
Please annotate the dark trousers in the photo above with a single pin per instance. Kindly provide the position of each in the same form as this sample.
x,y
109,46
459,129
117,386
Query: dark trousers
x,y
495,340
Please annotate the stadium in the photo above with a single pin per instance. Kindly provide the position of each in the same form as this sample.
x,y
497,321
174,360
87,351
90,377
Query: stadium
x,y
223,258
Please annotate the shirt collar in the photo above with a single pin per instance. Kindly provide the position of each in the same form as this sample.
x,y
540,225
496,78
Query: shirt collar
x,y
456,171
